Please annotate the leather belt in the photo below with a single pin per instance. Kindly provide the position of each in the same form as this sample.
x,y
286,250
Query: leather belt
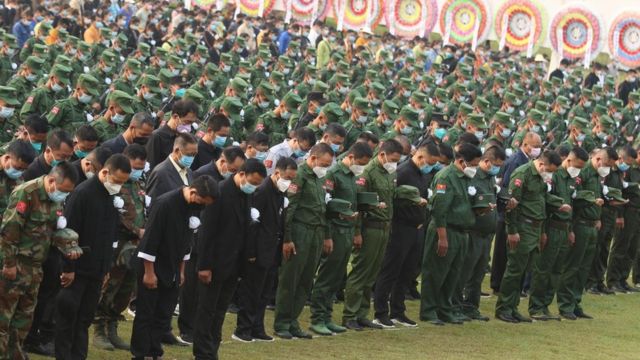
x,y
529,221
560,225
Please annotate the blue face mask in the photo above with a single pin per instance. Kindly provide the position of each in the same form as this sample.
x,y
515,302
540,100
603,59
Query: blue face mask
x,y
299,153
180,92
58,196
248,188
438,166
220,141
335,148
55,162
427,168
186,161
494,170
440,133
622,167
406,130
13,173
37,146
261,156
81,154
135,175
506,133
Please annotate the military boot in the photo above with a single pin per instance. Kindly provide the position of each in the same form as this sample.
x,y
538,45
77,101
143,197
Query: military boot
x,y
100,339
112,334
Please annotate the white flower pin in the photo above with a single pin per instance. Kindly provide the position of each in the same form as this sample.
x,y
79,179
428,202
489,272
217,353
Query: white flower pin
x,y
255,215
147,200
118,203
194,223
471,190
62,222
286,202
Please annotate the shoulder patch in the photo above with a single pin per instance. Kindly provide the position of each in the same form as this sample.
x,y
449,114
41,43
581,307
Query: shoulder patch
x,y
517,182
328,185
441,188
29,99
361,181
21,207
268,163
58,212
578,180
293,189
55,110
260,127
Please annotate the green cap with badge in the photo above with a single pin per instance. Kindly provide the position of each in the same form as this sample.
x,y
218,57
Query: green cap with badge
x,y
580,123
62,73
367,200
232,107
615,194
361,104
123,100
502,118
239,86
88,83
291,100
34,63
8,95
377,88
266,89
151,82
563,101
333,112
480,201
134,65
465,109
607,123
585,195
476,120
194,95
408,193
340,207
320,86
536,115
410,114
66,240
391,109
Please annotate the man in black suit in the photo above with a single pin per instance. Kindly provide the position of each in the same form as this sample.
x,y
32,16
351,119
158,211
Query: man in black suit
x,y
263,252
160,144
629,85
92,212
222,247
214,140
160,261
91,164
138,132
560,71
175,170
59,148
225,166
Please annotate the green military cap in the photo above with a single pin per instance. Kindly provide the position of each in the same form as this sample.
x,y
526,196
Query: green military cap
x,y
587,93
8,95
466,71
408,193
161,52
465,109
45,26
389,63
371,75
377,88
106,33
277,76
190,38
264,54
72,40
285,60
617,104
9,39
62,72
476,120
165,76
554,201
405,82
580,122
410,114
244,64
150,81
340,207
483,72
320,86
62,34
109,57
441,94
226,58
89,83
63,60
420,97
480,201
39,49
600,109
428,80
144,48
66,240
244,76
503,118
509,97
361,104
134,65
210,70
575,79
34,63
615,194
182,43
343,78
596,89
610,81
232,107
518,92
122,38
606,122
266,89
459,87
410,60
239,86
294,44
175,61
391,109
482,102
264,46
585,195
310,51
500,80
536,115
635,96
336,56
367,199
563,101
241,41
123,100
556,81
343,66
194,95
333,112
291,100
541,106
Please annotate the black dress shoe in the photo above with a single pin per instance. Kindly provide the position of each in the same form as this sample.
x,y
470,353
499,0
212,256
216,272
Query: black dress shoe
x,y
47,349
582,315
507,318
169,339
262,337
568,316
353,325
605,290
628,288
617,288
369,324
521,318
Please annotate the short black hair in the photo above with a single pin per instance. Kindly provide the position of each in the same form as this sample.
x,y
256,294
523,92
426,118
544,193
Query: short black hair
x,y
629,151
36,123
118,162
254,166
321,149
430,148
369,137
286,163
184,107
468,152
580,153
611,153
64,170
494,153
361,150
305,134
101,154
142,118
334,129
551,157
57,137
563,150
218,121
469,138
87,132
446,150
135,152
184,139
205,186
391,146
257,138
22,150
232,153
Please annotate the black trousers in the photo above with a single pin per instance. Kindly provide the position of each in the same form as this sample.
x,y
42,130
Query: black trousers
x,y
253,298
397,272
213,301
188,297
499,258
153,306
43,325
75,307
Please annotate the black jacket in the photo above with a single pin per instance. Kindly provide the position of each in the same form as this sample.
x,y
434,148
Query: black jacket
x,y
409,214
206,154
264,236
36,169
91,213
160,145
210,169
116,144
165,178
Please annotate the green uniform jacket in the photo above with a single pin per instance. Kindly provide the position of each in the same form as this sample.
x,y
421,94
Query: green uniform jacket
x,y
106,129
274,126
40,101
564,186
6,187
132,214
306,202
588,180
67,114
340,183
353,132
484,184
22,86
378,180
450,203
28,223
528,188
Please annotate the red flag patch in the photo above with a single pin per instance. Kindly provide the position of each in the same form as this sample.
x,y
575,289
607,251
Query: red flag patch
x,y
441,186
59,212
328,185
260,127
361,181
21,207
578,180
268,163
29,99
517,182
293,189
55,110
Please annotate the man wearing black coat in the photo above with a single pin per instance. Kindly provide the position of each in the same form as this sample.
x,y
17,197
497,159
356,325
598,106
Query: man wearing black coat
x,y
160,261
174,172
222,247
160,144
92,212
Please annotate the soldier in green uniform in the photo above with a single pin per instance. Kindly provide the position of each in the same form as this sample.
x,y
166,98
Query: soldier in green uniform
x,y
306,236
104,70
204,84
586,223
232,108
14,162
41,99
127,79
459,127
26,77
533,123
275,122
339,184
585,105
224,75
120,285
148,97
579,135
557,121
198,60
329,113
33,213
558,236
262,100
8,105
357,120
111,124
379,176
528,186
260,67
71,112
385,119
341,89
501,125
8,51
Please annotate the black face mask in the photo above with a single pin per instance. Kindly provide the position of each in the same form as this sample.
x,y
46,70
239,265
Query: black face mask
x,y
141,140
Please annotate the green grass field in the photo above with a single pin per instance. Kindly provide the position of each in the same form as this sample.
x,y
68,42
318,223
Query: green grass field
x,y
613,334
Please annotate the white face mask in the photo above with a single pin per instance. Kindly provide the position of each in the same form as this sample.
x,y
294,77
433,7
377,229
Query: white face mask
x,y
112,188
470,171
390,166
357,170
546,176
573,172
6,112
320,171
56,87
535,152
604,171
283,184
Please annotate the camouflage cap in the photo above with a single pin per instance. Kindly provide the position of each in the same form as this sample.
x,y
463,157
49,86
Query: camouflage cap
x,y
88,83
66,240
123,100
333,112
8,95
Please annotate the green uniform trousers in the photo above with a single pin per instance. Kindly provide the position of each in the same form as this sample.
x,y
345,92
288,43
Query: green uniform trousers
x,y
607,232
296,276
518,261
441,274
547,267
17,302
331,272
577,265
625,248
365,266
473,271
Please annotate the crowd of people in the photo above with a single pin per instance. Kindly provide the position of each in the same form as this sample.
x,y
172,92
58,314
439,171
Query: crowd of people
x,y
162,161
